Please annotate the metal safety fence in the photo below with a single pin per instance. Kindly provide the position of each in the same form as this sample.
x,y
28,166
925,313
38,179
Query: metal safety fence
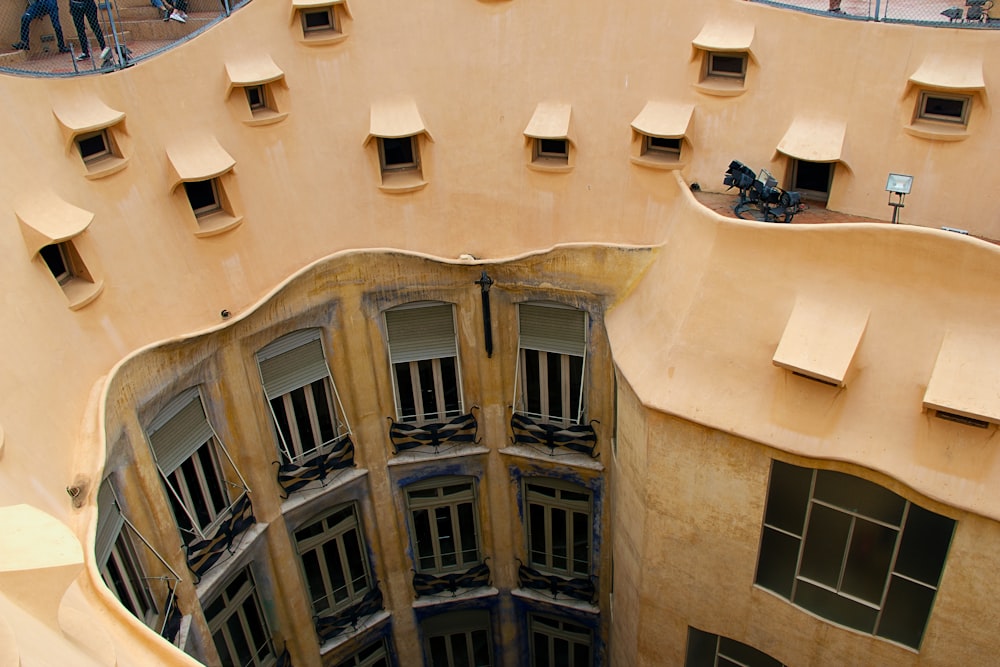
x,y
983,14
58,38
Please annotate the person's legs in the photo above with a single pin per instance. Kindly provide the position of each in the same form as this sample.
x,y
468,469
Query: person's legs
x,y
95,25
76,11
33,11
51,8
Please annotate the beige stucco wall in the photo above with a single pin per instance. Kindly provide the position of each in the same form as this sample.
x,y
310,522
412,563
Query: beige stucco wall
x,y
686,546
696,337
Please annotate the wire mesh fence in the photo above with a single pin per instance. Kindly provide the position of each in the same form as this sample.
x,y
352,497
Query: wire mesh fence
x,y
945,13
72,37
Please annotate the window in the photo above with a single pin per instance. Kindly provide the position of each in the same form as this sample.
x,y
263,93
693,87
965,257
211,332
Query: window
x,y
257,97
116,558
444,524
398,154
203,196
558,518
190,457
552,350
458,639
707,650
237,624
94,146
726,65
812,178
559,643
318,20
64,263
552,149
304,402
423,351
852,552
944,107
334,560
373,655
659,146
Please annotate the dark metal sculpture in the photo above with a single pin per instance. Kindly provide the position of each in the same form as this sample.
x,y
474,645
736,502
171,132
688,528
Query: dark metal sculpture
x,y
485,282
760,192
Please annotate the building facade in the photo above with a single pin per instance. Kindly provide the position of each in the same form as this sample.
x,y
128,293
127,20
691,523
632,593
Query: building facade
x,y
332,344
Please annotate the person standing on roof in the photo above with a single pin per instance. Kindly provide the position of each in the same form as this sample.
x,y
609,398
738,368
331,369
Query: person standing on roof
x,y
79,9
37,10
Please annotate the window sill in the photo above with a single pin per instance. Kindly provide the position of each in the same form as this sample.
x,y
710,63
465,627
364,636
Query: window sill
x,y
422,455
267,117
105,167
563,458
402,181
552,165
460,595
567,603
323,38
341,639
301,502
212,579
657,162
217,223
721,86
937,131
81,293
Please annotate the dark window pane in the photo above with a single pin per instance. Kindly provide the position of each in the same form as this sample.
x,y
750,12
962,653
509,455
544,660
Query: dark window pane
x,y
905,613
552,146
314,579
335,570
446,536
788,497
536,535
834,607
868,560
560,651
54,260
926,538
859,495
220,644
581,543
201,194
425,546
407,407
428,400
581,655
302,421
944,106
825,545
317,20
813,176
398,152
355,560
742,654
460,651
467,528
327,425
449,378
701,648
281,420
438,651
575,385
553,363
776,566
540,650
727,64
241,647
92,145
481,648
532,382
559,545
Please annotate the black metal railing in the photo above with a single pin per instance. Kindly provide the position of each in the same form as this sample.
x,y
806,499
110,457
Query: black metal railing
x,y
555,586
459,431
580,438
477,576
295,476
937,13
328,627
204,553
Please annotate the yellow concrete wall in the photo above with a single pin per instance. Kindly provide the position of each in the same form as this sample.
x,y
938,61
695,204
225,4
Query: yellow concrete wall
x,y
685,555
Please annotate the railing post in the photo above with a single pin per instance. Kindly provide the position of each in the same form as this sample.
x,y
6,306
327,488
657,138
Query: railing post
x,y
877,3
